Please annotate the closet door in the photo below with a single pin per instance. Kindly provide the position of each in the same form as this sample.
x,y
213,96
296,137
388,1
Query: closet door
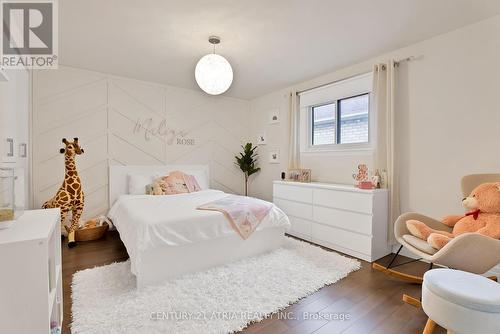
x,y
14,128
7,124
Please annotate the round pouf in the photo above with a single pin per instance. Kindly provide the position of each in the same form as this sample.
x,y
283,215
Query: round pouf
x,y
461,302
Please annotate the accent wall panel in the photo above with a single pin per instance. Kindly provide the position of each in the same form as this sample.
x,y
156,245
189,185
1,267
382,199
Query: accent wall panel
x,y
129,122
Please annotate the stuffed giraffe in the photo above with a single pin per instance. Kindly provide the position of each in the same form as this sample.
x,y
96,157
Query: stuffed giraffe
x,y
70,195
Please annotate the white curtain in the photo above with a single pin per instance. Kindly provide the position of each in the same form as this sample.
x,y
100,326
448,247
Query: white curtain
x,y
294,147
383,102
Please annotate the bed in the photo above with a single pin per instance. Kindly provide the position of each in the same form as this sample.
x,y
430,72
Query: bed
x,y
166,236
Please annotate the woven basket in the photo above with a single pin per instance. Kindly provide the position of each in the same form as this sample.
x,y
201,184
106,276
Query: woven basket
x,y
91,233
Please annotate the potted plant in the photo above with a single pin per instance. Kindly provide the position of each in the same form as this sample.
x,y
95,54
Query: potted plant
x,y
246,162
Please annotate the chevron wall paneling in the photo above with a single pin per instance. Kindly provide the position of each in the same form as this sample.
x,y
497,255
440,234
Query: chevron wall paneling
x,y
129,122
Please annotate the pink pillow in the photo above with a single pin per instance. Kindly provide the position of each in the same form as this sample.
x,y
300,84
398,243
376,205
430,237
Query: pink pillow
x,y
191,183
174,184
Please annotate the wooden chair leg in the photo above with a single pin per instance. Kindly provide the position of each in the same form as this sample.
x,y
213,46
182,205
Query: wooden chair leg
x,y
449,332
412,301
429,326
397,274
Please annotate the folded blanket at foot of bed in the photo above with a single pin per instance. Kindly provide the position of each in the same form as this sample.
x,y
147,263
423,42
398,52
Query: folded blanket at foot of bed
x,y
243,213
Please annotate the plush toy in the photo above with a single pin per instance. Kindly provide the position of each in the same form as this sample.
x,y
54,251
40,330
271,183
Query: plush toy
x,y
95,222
483,217
69,197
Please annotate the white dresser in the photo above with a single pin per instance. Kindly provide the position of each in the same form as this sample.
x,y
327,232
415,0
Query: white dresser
x,y
341,217
30,274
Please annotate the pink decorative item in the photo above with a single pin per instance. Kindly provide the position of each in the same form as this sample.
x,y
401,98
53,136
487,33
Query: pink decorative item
x,y
362,177
191,183
365,185
173,184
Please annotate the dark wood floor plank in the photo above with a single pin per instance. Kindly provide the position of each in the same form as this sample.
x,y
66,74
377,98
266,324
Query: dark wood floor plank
x,y
371,298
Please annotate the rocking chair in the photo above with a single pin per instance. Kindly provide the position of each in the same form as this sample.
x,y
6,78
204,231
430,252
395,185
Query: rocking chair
x,y
471,252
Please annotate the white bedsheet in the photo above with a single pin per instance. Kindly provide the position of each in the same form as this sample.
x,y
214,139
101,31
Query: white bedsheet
x,y
146,221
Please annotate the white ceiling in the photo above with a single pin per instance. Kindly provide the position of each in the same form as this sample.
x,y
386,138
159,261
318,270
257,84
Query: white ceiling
x,y
271,44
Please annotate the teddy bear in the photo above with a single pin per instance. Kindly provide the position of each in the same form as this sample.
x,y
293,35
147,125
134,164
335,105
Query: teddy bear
x,y
483,217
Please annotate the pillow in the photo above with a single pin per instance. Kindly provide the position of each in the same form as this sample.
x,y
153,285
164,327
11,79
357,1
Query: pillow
x,y
173,183
137,183
191,183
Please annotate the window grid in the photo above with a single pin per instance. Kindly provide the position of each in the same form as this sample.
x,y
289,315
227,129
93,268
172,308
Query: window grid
x,y
337,123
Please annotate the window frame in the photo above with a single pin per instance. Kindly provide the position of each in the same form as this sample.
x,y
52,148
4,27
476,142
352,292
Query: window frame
x,y
338,146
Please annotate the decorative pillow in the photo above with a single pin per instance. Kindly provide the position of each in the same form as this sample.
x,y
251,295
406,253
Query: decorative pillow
x,y
173,184
191,183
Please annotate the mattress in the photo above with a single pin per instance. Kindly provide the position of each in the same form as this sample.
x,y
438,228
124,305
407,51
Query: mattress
x,y
146,222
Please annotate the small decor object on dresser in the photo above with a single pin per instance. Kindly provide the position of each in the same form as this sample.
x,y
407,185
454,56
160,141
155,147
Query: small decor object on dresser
x,y
70,195
362,177
376,179
299,175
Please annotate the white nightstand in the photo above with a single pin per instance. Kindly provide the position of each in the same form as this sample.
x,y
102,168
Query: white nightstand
x,y
30,274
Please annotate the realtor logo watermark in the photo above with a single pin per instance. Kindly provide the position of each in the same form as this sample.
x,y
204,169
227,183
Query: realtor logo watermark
x,y
29,34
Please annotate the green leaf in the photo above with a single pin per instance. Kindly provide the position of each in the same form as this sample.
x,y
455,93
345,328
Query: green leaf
x,y
247,159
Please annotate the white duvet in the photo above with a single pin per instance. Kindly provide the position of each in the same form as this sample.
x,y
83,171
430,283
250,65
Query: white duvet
x,y
146,221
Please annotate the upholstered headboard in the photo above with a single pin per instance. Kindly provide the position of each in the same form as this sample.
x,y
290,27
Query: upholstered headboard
x,y
118,182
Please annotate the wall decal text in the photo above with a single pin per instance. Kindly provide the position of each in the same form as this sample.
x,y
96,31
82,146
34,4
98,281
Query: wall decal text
x,y
161,129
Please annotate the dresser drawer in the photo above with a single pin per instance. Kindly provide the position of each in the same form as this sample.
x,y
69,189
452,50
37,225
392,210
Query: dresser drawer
x,y
356,222
301,226
299,210
347,200
350,240
294,193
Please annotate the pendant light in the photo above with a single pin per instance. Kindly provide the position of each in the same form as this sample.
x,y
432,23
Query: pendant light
x,y
213,72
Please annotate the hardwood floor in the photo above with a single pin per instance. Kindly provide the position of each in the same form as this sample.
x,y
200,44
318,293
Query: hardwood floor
x,y
371,299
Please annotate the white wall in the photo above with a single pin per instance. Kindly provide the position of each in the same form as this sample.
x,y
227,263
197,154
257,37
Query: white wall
x,y
102,111
448,120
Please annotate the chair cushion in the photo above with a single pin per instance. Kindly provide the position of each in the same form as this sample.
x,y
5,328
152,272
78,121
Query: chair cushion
x,y
468,290
419,244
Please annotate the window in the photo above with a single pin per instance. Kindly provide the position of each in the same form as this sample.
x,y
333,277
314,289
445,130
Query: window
x,y
345,121
336,116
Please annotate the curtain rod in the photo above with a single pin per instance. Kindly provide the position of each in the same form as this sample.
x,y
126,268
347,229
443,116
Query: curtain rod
x,y
331,82
403,60
396,63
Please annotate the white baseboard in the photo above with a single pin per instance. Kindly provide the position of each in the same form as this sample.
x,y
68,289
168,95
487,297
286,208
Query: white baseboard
x,y
494,271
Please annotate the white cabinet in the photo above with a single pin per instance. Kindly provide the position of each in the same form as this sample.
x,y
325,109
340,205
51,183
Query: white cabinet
x,y
31,275
340,217
14,128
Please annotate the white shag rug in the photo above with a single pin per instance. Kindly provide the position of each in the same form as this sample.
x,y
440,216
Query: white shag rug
x,y
223,299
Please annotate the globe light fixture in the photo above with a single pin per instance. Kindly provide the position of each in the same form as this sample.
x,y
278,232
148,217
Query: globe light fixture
x,y
213,72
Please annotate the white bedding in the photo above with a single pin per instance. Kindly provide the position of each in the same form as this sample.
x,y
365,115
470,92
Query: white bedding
x,y
146,222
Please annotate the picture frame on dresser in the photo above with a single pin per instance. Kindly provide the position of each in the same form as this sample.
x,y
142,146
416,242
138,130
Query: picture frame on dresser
x,y
340,217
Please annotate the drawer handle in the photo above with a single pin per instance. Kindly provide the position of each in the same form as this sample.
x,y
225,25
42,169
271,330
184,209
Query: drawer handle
x,y
23,150
11,147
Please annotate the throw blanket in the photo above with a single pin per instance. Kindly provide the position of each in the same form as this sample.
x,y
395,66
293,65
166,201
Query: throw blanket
x,y
244,213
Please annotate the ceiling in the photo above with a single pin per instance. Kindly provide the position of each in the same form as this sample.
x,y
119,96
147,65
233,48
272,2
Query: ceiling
x,y
271,44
